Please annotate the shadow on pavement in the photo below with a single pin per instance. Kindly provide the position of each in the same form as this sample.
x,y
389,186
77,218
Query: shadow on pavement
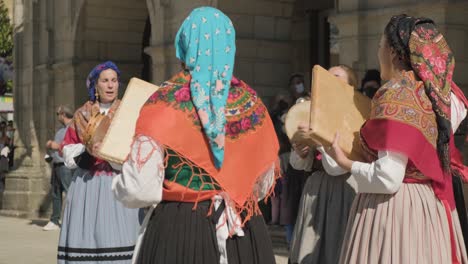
x,y
38,222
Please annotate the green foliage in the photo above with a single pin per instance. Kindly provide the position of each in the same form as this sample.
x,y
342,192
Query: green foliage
x,y
6,32
6,49
9,86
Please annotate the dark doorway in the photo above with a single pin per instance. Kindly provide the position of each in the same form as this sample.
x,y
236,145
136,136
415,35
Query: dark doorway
x,y
146,59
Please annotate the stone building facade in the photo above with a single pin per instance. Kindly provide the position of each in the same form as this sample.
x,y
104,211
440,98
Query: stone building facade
x,y
57,42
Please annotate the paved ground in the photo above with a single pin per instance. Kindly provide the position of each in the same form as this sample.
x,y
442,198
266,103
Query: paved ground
x,y
23,242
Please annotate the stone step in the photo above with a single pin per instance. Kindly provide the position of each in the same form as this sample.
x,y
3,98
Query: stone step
x,y
14,213
278,239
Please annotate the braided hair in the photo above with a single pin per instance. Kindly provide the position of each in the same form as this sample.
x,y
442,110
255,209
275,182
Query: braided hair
x,y
392,34
398,34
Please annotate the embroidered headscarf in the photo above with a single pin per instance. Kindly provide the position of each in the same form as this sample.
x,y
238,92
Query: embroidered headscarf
x,y
416,104
93,76
421,47
206,44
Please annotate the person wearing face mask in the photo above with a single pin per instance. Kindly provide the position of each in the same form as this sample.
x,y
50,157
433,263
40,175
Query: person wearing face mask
x,y
204,153
405,210
325,202
293,180
297,88
61,175
96,227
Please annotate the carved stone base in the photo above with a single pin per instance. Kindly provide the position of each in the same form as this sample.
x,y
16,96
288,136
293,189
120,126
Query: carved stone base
x,y
26,194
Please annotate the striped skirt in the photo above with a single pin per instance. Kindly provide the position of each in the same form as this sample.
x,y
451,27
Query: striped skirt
x,y
96,227
410,226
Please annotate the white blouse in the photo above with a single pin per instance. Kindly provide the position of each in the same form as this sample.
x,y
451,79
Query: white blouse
x,y
104,108
141,185
141,182
386,174
299,163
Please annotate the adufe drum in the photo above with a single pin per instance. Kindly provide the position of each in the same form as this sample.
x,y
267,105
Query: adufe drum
x,y
334,106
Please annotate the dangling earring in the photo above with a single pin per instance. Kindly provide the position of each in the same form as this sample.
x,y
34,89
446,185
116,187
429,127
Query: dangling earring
x,y
96,95
184,66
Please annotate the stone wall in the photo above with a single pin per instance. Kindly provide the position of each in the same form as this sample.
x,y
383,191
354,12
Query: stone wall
x,y
360,31
166,18
263,33
264,49
109,30
57,42
26,186
361,27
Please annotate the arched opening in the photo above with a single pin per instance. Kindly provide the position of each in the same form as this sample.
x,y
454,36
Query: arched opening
x,y
116,32
146,59
277,39
311,36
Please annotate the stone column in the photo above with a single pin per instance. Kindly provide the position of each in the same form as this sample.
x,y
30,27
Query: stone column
x,y
166,17
24,186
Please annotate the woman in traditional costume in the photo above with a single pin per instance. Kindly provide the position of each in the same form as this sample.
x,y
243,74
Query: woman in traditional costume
x,y
405,209
325,203
96,227
293,180
205,152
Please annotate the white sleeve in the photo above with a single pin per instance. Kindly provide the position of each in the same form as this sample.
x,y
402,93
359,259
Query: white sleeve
x,y
329,164
385,175
5,151
299,163
116,166
458,112
70,152
264,183
141,182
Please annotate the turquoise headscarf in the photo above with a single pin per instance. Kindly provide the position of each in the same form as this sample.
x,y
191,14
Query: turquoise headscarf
x,y
206,44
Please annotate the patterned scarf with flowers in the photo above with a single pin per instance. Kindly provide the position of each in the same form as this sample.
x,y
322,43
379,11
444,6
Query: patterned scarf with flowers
x,y
411,114
170,118
420,99
77,131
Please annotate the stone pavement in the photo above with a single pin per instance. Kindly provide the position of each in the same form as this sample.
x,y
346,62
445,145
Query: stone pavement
x,y
23,242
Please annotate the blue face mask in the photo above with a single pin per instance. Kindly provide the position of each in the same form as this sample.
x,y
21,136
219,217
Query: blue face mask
x,y
299,88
